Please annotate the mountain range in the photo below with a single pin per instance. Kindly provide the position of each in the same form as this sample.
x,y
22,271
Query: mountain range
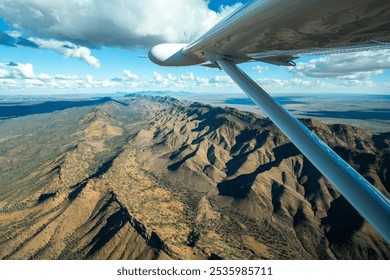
x,y
148,177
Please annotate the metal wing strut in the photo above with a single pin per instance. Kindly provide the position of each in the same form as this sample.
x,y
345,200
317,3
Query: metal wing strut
x,y
278,31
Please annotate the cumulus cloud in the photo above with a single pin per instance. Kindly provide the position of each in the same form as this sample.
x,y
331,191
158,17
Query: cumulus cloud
x,y
259,69
120,23
16,70
18,75
190,81
190,77
221,79
299,83
21,76
73,27
128,76
158,77
352,66
68,49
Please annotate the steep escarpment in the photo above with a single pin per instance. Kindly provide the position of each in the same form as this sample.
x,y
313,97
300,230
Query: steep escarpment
x,y
158,178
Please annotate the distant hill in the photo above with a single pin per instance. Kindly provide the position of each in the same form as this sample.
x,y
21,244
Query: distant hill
x,y
159,178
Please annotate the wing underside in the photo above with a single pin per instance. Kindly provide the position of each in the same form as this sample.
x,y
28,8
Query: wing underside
x,y
294,28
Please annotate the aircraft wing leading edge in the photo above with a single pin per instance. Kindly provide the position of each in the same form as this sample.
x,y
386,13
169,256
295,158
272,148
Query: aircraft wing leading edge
x,y
278,31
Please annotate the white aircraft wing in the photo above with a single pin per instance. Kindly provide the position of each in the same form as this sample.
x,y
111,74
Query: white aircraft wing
x,y
278,31
297,27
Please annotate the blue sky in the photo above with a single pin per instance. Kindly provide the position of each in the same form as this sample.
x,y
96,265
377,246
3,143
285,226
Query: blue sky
x,y
75,46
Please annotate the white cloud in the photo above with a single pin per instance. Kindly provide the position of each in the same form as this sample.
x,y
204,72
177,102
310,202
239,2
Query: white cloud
x,y
112,23
259,69
273,83
189,77
189,81
171,77
313,85
73,27
226,9
202,81
219,80
34,82
16,71
21,76
26,70
158,77
358,83
68,49
4,73
130,76
354,66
